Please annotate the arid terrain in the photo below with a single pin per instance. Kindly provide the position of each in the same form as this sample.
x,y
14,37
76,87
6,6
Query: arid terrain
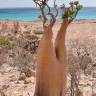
x,y
18,44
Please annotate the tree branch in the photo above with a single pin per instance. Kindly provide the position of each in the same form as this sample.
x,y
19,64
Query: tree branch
x,y
42,5
42,11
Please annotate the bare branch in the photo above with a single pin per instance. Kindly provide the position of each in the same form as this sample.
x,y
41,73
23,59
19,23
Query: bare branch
x,y
71,18
42,11
53,18
42,5
55,6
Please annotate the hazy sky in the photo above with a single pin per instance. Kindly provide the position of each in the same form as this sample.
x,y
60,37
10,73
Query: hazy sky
x,y
28,3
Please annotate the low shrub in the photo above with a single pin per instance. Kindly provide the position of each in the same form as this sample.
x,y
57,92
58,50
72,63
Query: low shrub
x,y
38,32
4,40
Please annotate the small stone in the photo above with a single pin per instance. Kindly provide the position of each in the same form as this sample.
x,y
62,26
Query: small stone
x,y
29,80
22,76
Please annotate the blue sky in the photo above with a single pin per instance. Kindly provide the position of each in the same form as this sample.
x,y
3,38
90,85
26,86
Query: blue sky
x,y
29,3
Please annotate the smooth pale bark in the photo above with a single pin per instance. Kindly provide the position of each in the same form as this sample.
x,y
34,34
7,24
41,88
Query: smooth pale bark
x,y
52,63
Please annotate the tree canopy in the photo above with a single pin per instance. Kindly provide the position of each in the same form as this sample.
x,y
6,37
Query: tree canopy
x,y
69,12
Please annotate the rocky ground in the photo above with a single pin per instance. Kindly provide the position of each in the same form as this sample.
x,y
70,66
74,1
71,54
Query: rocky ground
x,y
18,57
12,83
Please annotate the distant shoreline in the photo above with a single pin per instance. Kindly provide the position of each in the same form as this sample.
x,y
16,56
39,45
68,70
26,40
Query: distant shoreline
x,y
38,8
80,20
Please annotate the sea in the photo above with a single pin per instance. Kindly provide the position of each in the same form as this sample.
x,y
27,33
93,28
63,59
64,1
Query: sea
x,y
31,14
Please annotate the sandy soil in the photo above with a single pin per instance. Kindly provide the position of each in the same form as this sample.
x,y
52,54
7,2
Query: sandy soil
x,y
10,82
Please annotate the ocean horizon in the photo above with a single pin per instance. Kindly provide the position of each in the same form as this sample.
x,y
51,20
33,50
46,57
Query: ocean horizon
x,y
31,14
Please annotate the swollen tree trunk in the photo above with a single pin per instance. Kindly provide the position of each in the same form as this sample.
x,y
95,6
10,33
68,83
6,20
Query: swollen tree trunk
x,y
51,64
60,51
51,73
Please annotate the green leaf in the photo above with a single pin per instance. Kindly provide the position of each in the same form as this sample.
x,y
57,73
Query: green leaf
x,y
55,6
71,3
64,16
79,7
40,16
76,2
71,13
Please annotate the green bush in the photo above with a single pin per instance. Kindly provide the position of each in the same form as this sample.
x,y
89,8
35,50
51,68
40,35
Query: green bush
x,y
4,40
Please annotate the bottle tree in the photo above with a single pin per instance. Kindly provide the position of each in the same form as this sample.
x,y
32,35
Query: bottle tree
x,y
51,73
